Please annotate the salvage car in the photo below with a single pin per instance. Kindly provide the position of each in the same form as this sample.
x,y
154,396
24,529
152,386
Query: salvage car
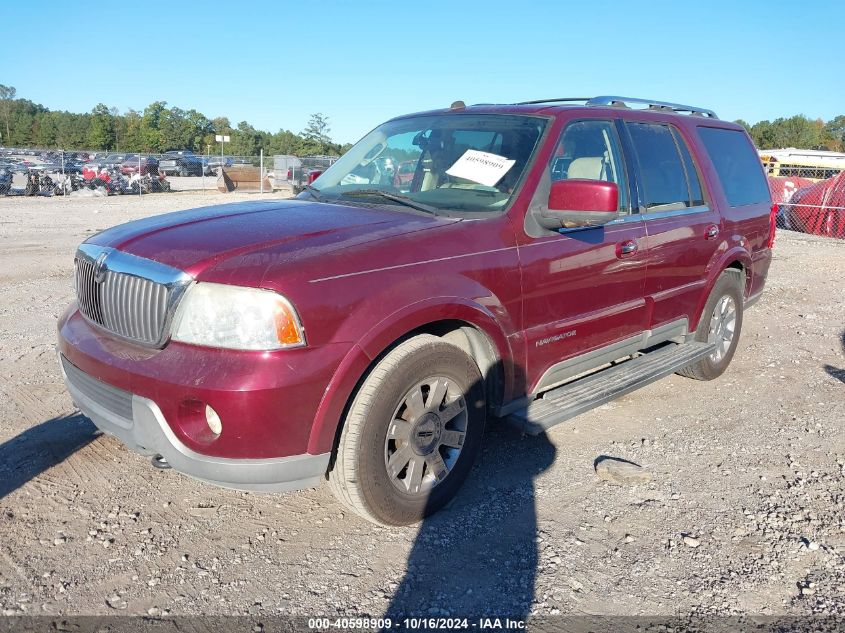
x,y
212,164
68,166
6,175
545,258
180,163
144,165
108,161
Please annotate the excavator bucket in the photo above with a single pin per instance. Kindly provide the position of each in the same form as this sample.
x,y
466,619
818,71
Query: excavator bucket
x,y
241,178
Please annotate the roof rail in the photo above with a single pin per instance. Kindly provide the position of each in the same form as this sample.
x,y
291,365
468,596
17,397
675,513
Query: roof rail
x,y
562,100
622,102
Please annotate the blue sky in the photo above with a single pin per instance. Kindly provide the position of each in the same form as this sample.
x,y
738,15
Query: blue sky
x,y
274,63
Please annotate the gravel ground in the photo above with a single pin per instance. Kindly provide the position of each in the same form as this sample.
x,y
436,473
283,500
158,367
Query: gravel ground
x,y
743,513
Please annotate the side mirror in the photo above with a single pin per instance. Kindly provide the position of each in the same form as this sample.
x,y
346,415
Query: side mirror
x,y
575,203
314,174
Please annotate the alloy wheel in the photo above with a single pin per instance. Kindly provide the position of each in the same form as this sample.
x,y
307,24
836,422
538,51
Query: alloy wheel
x,y
426,435
722,327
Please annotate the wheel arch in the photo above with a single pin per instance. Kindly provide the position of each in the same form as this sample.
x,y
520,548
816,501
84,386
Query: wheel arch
x,y
743,269
733,259
469,327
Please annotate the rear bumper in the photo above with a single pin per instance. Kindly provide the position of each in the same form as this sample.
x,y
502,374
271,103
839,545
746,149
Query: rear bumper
x,y
139,423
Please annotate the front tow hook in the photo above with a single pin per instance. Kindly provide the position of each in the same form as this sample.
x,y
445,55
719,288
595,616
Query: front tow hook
x,y
159,462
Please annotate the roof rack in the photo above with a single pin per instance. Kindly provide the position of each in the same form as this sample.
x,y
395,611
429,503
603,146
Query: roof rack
x,y
564,99
622,102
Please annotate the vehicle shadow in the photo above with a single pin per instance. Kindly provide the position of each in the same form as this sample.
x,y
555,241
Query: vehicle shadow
x,y
479,555
837,372
37,449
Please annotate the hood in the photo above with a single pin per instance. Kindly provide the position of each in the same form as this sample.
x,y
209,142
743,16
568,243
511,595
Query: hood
x,y
199,240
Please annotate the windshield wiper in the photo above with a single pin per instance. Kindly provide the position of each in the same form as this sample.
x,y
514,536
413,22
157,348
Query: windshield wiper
x,y
394,197
315,193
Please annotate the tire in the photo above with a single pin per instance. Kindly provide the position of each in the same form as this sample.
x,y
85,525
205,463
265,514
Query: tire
x,y
727,296
378,454
183,171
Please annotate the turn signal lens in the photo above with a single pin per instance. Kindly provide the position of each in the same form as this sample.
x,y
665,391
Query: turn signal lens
x,y
287,330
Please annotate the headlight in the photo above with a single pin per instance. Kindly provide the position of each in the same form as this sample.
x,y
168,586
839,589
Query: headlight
x,y
218,315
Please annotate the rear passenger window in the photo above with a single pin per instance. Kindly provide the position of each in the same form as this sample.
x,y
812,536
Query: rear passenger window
x,y
696,197
664,175
737,165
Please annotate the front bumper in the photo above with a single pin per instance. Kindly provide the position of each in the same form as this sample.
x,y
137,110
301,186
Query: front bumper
x,y
267,400
139,423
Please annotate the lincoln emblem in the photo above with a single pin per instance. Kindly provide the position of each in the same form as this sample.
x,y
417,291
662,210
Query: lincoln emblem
x,y
100,268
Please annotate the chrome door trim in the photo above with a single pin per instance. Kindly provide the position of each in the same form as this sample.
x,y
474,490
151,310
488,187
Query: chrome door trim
x,y
660,215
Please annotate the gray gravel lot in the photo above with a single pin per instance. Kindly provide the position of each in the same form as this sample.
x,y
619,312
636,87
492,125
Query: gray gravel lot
x,y
743,513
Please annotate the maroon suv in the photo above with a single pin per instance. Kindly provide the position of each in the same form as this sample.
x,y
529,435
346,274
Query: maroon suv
x,y
544,258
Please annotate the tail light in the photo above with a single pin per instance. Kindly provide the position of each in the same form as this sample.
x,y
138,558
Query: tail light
x,y
290,174
314,174
773,222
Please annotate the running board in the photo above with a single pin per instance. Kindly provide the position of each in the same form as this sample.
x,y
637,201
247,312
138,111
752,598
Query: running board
x,y
565,402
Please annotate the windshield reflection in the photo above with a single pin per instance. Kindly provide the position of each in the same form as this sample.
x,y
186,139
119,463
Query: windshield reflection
x,y
460,162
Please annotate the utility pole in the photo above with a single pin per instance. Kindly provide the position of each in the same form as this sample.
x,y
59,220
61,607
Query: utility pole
x,y
221,138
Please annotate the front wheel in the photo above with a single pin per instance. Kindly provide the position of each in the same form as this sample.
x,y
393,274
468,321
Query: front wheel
x,y
720,324
412,433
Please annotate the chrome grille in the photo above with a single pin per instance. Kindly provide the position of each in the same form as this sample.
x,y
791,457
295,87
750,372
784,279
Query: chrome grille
x,y
133,307
127,295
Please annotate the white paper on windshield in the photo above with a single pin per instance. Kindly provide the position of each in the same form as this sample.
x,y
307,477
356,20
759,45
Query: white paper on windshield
x,y
481,167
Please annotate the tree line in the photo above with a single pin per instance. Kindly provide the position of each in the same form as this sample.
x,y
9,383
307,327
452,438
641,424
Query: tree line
x,y
158,128
799,132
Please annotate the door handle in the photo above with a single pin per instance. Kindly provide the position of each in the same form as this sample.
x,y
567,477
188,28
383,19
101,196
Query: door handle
x,y
626,248
712,232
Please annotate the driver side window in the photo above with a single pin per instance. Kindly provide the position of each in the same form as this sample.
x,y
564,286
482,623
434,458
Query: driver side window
x,y
590,150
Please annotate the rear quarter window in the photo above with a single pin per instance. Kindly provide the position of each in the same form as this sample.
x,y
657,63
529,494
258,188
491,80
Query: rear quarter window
x,y
737,165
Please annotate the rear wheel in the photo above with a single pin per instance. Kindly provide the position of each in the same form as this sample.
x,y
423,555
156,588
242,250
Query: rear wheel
x,y
720,324
412,433
183,171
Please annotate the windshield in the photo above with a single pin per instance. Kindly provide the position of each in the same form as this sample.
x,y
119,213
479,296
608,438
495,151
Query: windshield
x,y
462,162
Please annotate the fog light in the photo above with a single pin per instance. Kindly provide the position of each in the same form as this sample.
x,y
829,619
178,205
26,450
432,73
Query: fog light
x,y
214,422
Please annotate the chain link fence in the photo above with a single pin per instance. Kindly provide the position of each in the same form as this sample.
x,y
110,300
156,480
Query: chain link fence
x,y
809,189
807,186
52,172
